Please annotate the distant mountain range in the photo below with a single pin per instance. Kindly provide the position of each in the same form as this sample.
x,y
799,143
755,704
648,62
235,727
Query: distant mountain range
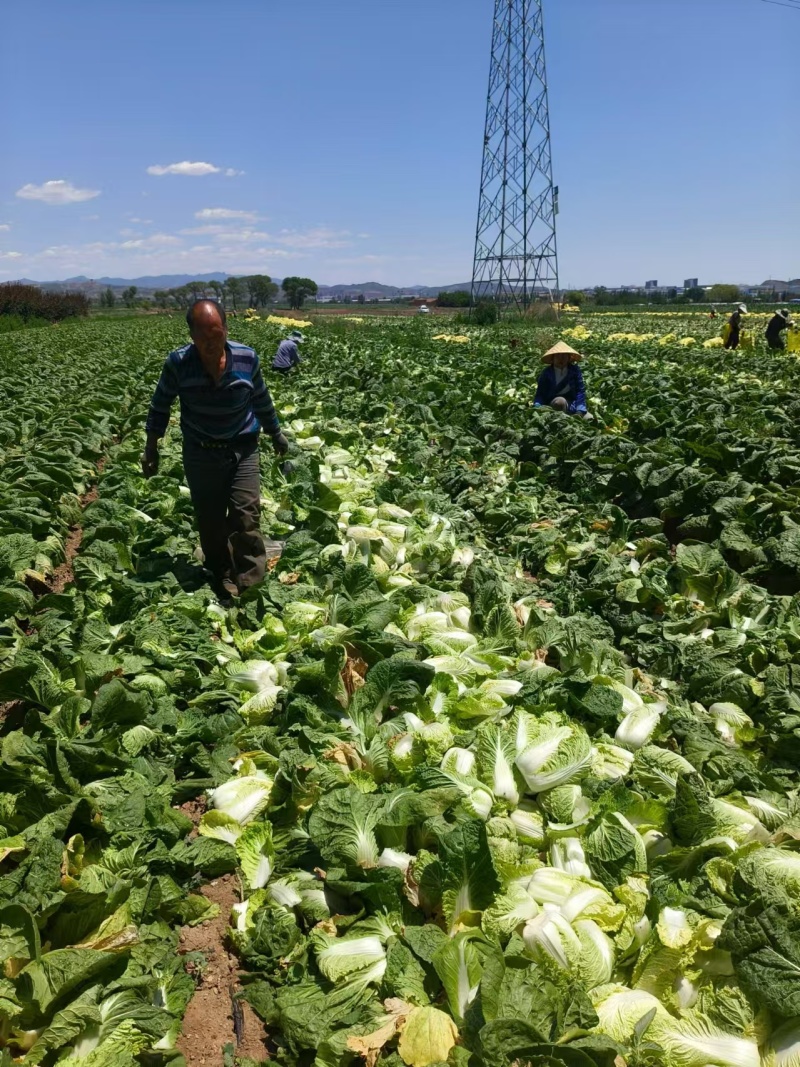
x,y
149,283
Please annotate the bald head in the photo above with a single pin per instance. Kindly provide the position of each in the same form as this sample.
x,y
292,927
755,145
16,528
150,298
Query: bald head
x,y
207,326
204,312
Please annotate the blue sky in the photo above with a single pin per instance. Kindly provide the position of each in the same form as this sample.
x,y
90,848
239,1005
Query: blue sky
x,y
342,138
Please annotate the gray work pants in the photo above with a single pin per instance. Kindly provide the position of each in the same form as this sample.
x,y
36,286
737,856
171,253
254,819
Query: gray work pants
x,y
225,485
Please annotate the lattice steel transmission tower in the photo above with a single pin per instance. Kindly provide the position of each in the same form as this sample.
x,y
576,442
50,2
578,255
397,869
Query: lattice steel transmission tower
x,y
516,257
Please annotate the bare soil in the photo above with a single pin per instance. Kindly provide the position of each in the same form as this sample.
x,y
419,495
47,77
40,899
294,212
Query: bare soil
x,y
208,1024
194,809
64,575
12,710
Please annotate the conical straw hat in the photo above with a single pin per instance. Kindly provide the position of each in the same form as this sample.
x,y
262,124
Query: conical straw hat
x,y
558,349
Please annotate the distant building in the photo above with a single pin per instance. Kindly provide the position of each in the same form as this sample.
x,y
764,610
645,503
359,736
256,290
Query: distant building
x,y
651,285
691,283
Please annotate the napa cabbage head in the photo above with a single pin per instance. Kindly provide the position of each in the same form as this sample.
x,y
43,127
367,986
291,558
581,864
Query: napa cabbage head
x,y
242,798
610,762
351,960
639,725
783,1048
551,751
658,769
496,762
692,1041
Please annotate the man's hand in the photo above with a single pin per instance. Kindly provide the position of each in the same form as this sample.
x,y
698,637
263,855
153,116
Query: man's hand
x,y
150,460
280,444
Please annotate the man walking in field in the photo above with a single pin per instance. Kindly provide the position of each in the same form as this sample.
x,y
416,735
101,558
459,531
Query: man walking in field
x,y
224,406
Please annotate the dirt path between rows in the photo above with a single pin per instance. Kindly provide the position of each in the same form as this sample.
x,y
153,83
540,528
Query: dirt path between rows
x,y
215,1017
209,1024
64,575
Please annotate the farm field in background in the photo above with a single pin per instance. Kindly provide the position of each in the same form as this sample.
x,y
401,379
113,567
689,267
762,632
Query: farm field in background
x,y
499,765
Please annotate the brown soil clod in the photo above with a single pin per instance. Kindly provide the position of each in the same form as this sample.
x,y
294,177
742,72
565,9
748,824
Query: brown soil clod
x,y
12,711
216,1016
194,809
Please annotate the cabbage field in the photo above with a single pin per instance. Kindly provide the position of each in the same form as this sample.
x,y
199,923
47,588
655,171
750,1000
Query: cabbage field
x,y
500,762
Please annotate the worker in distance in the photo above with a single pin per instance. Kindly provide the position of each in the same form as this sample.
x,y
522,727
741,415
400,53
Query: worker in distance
x,y
287,356
734,330
561,385
779,322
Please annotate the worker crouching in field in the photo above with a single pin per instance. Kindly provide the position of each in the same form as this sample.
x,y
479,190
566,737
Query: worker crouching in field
x,y
224,407
561,384
779,322
734,327
288,355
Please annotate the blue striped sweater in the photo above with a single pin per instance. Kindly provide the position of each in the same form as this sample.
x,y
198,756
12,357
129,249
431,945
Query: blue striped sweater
x,y
239,403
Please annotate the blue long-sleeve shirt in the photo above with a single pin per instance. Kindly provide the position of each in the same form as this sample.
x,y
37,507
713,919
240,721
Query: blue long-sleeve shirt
x,y
573,389
238,404
287,355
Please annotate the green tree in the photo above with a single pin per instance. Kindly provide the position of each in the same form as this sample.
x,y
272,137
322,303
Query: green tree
x,y
161,298
297,289
696,295
361,298
724,294
575,298
485,313
261,289
235,289
458,298
129,296
107,298
216,288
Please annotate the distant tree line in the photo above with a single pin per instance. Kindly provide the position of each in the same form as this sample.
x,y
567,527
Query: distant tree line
x,y
716,294
252,290
30,302
459,298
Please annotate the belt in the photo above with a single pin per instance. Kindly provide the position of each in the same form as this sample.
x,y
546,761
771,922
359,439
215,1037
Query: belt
x,y
233,442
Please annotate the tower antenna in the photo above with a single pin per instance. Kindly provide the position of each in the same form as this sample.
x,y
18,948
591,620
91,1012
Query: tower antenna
x,y
516,258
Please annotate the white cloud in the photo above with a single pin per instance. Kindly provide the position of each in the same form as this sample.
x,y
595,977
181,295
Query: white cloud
x,y
186,168
230,172
243,235
276,253
142,222
156,240
56,192
90,218
10,255
353,261
225,213
224,233
5,226
192,231
320,237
